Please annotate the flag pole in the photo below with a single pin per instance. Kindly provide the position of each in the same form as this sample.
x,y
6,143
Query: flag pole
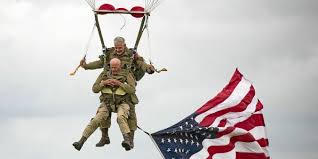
x,y
153,141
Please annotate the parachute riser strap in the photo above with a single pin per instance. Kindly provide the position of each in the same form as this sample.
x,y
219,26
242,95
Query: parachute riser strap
x,y
141,30
100,33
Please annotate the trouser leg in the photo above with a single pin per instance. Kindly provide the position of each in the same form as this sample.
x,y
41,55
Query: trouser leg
x,y
132,122
132,118
122,117
98,121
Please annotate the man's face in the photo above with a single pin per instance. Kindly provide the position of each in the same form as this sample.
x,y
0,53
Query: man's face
x,y
115,67
120,48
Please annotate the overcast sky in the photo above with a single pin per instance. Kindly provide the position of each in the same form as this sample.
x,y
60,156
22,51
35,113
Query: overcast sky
x,y
43,111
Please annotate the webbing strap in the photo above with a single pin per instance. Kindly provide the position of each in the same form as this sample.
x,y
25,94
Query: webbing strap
x,y
143,130
141,30
100,33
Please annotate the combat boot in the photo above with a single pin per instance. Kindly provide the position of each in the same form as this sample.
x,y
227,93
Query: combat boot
x,y
78,145
132,134
105,139
126,143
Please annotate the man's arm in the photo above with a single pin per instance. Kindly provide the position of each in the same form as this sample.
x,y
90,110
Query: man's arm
x,y
143,65
93,65
98,86
129,87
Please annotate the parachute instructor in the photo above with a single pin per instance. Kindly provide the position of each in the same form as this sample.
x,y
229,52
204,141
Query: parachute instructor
x,y
130,60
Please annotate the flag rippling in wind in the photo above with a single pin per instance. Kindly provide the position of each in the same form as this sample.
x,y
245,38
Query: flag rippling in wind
x,y
229,126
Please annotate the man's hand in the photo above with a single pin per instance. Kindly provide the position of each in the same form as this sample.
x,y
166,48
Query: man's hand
x,y
136,56
151,69
111,82
83,62
108,82
116,82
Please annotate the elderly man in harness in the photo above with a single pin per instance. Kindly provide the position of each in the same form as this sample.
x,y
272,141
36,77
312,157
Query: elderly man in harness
x,y
133,65
117,90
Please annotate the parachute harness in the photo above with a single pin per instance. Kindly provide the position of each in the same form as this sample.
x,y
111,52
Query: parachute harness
x,y
136,12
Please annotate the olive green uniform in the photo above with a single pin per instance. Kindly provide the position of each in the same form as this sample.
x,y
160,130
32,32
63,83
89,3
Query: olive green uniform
x,y
129,64
98,121
114,99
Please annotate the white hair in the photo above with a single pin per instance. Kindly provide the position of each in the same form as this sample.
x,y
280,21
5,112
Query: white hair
x,y
115,61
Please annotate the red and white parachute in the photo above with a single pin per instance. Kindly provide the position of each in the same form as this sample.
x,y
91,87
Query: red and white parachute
x,y
136,11
149,6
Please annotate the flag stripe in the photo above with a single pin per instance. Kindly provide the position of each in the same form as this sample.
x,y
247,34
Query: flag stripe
x,y
224,94
210,119
263,142
234,118
258,132
251,122
235,98
248,147
222,123
243,116
225,132
226,140
259,106
245,142
241,155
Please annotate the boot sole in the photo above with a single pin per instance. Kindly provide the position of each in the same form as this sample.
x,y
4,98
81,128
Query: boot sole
x,y
76,147
101,145
126,146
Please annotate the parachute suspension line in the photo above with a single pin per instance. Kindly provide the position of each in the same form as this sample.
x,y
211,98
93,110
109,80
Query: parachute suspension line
x,y
149,47
152,4
124,19
91,3
147,5
86,50
90,39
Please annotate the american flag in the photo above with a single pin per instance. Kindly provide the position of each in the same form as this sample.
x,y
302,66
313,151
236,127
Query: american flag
x,y
229,126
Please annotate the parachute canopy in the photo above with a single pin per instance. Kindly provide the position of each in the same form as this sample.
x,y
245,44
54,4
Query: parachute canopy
x,y
136,11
